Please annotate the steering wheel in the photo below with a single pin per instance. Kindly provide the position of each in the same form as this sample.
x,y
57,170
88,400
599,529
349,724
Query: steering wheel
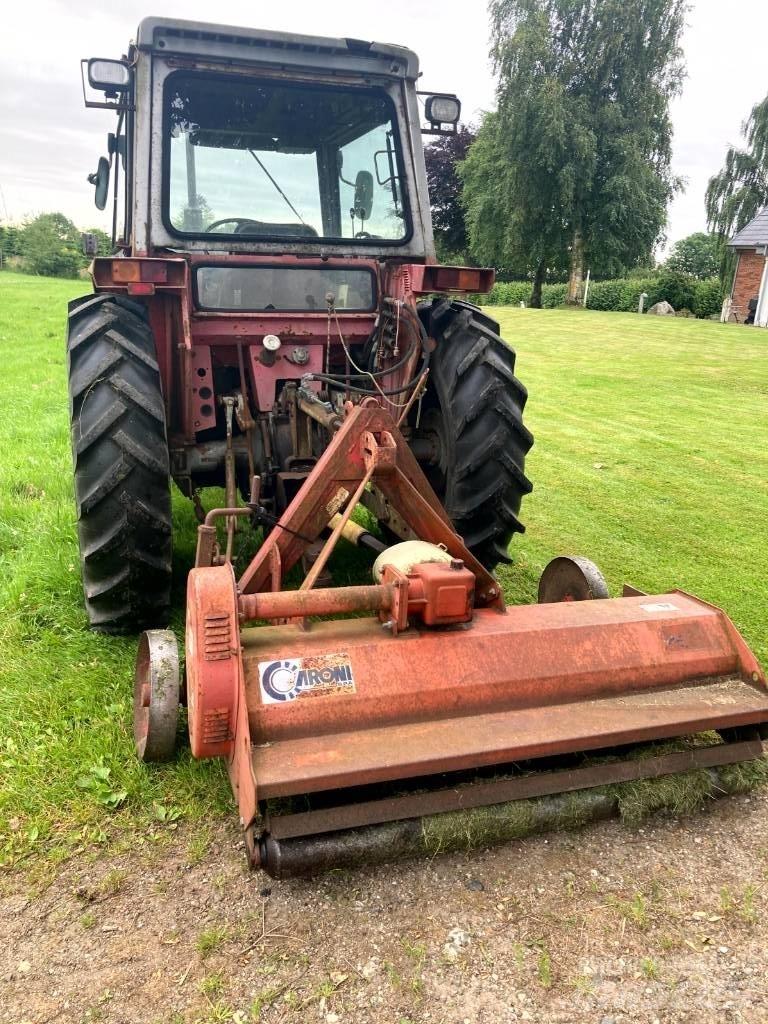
x,y
241,224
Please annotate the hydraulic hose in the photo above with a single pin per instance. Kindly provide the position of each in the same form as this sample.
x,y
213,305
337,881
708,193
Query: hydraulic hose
x,y
342,382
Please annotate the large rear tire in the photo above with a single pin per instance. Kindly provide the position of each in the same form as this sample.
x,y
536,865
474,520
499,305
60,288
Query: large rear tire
x,y
121,464
472,428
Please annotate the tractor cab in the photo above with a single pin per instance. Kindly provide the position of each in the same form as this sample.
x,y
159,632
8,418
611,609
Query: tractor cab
x,y
248,141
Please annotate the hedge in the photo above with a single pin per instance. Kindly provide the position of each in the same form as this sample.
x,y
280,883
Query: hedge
x,y
702,298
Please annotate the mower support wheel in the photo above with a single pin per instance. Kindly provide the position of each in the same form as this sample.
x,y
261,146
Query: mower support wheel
x,y
156,696
571,578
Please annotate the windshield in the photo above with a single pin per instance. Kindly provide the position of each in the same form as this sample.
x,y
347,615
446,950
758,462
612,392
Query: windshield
x,y
262,159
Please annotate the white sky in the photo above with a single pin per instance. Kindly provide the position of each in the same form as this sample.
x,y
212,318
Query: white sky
x,y
49,142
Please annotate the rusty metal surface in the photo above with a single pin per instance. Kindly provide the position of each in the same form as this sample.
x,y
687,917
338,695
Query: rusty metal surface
x,y
213,666
485,794
327,549
217,712
157,684
343,704
400,751
571,578
286,604
337,476
531,656
383,511
207,552
429,278
435,594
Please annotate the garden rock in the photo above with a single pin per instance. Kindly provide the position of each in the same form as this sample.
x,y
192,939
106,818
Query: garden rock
x,y
661,309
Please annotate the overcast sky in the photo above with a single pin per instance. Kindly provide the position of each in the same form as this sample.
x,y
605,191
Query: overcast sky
x,y
49,142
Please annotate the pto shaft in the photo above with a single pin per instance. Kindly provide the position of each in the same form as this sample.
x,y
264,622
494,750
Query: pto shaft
x,y
288,604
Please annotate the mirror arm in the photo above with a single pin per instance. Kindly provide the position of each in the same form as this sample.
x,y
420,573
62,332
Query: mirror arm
x,y
120,119
392,176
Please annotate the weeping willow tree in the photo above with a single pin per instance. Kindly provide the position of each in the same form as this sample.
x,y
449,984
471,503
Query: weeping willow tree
x,y
737,194
574,165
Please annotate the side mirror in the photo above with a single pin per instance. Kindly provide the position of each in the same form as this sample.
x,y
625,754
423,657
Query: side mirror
x,y
101,181
340,168
363,201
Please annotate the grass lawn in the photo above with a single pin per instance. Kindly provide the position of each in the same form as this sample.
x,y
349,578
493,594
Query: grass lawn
x,y
651,458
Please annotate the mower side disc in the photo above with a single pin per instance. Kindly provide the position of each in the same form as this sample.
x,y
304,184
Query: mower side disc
x,y
156,695
571,578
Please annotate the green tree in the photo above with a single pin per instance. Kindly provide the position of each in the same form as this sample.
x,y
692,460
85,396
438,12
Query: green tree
x,y
697,254
196,215
583,121
508,212
10,242
51,246
740,190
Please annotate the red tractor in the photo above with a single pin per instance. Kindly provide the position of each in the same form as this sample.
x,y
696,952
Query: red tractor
x,y
274,322
274,260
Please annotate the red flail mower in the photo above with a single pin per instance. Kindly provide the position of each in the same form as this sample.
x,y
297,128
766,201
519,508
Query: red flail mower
x,y
273,322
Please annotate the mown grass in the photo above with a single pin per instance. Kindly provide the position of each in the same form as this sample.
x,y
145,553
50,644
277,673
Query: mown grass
x,y
68,775
651,457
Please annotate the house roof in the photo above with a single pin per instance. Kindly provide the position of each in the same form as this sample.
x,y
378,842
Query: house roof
x,y
754,233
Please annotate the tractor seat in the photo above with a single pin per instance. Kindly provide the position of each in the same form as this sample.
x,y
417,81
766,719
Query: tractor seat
x,y
260,227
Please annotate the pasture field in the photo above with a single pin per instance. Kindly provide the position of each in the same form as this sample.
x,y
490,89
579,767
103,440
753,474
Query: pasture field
x,y
651,458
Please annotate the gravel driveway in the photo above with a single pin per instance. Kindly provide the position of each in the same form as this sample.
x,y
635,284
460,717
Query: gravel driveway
x,y
609,925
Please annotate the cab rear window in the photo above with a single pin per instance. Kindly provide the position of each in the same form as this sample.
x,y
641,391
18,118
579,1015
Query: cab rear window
x,y
285,289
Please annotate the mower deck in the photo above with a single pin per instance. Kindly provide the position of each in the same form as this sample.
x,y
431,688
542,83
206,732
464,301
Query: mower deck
x,y
290,767
526,683
351,737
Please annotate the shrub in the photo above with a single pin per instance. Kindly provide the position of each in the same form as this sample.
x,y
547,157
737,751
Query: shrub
x,y
709,297
676,288
606,295
702,298
553,295
509,293
619,296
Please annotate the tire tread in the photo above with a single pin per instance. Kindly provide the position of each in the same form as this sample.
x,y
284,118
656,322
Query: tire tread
x,y
481,402
121,464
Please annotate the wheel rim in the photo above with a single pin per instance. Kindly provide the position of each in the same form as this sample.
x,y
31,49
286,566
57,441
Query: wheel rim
x,y
432,436
156,695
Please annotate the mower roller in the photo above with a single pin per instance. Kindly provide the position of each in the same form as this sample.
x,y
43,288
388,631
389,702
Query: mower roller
x,y
273,322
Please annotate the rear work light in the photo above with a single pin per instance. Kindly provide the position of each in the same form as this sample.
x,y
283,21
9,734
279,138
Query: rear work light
x,y
108,75
443,109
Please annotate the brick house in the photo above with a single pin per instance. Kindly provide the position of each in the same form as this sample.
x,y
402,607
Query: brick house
x,y
750,281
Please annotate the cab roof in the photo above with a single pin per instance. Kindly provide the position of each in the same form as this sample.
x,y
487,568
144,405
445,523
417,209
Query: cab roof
x,y
195,38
